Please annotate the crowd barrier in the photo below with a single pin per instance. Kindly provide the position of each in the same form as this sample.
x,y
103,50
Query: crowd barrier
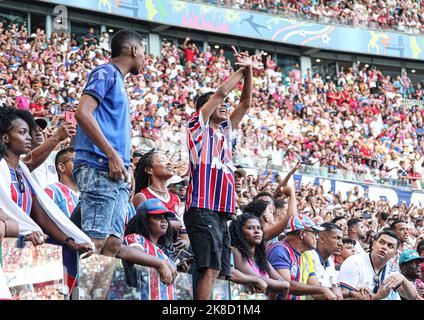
x,y
37,273
395,195
34,273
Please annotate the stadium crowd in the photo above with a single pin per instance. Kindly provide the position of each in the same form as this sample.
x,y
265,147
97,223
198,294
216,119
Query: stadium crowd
x,y
352,127
354,124
400,15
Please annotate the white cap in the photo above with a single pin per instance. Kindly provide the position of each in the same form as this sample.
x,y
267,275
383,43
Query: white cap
x,y
174,179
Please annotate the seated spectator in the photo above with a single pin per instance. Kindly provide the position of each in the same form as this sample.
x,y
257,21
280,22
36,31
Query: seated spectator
x,y
150,231
347,250
248,247
357,231
25,200
410,266
290,259
375,276
65,192
329,244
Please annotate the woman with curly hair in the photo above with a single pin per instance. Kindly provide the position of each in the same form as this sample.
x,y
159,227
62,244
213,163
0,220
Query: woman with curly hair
x,y
21,197
248,247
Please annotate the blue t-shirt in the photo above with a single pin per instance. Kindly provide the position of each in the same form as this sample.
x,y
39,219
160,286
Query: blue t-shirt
x,y
282,256
106,84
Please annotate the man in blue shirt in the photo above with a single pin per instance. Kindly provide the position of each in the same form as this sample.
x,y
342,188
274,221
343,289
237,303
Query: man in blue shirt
x,y
103,144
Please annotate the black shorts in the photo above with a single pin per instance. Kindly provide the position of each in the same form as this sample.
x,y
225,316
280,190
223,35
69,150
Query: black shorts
x,y
210,239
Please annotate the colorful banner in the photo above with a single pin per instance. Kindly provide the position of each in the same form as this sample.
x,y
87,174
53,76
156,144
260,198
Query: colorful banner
x,y
260,26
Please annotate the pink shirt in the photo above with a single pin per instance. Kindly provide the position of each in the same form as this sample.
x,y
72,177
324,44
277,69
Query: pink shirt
x,y
22,102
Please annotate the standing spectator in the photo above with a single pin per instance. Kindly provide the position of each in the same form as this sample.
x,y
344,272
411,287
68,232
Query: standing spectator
x,y
90,38
190,50
103,143
211,193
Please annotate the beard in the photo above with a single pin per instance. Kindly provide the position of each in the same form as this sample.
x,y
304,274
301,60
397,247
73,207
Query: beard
x,y
135,71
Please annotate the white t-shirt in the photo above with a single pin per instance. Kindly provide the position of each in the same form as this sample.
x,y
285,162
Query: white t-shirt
x,y
326,273
358,248
4,290
46,173
357,272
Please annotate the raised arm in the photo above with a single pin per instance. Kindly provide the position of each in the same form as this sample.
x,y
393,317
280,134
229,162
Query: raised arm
x,y
224,89
246,95
37,156
245,99
275,230
278,191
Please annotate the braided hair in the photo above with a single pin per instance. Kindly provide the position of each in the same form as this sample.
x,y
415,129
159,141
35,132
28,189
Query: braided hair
x,y
239,241
141,176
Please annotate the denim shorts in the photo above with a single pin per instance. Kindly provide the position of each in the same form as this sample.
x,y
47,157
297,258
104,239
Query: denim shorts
x,y
104,202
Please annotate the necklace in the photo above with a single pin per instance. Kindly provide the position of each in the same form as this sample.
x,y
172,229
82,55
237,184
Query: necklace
x,y
158,190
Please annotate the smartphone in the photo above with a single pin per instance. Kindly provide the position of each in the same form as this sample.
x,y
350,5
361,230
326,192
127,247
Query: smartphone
x,y
70,117
182,256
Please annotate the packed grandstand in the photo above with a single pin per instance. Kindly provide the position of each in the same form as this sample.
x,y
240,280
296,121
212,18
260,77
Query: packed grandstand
x,y
352,126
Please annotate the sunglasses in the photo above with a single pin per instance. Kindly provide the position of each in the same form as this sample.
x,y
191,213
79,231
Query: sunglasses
x,y
20,181
376,280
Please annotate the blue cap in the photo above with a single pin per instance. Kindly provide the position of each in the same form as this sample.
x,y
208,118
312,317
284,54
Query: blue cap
x,y
409,255
301,222
155,206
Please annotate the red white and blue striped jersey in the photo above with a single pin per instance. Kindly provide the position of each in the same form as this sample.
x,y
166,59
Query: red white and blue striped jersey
x,y
212,183
22,199
158,290
64,197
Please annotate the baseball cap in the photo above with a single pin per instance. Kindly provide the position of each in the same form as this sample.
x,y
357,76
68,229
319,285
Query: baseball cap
x,y
409,255
240,172
41,122
154,206
173,180
301,222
